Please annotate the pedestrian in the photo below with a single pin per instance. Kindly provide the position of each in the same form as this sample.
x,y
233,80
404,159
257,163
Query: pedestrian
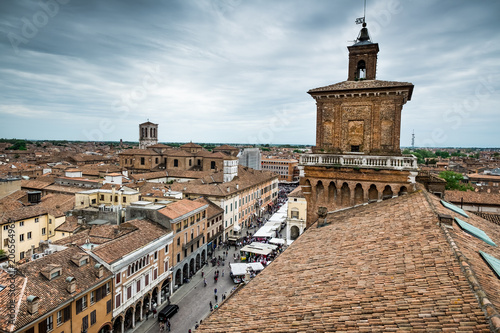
x,y
168,325
168,299
222,273
147,314
211,306
202,274
216,298
161,326
215,291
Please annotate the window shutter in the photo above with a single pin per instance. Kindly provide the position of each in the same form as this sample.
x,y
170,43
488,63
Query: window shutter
x,y
98,295
67,313
42,326
79,306
103,291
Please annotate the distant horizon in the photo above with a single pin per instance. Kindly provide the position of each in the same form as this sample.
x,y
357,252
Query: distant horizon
x,y
234,143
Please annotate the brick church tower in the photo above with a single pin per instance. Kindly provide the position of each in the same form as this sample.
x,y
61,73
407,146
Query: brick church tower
x,y
148,134
357,158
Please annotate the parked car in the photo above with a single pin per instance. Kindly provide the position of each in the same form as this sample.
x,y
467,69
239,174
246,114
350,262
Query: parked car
x,y
168,312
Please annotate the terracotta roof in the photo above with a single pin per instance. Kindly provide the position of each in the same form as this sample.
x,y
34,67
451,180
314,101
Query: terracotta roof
x,y
22,213
71,225
212,185
136,151
385,266
35,184
51,293
144,232
364,84
481,176
471,197
296,193
191,145
179,208
212,210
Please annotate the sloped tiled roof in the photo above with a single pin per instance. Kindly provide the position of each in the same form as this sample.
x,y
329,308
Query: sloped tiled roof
x,y
51,293
363,84
145,232
179,208
212,209
471,197
296,193
386,266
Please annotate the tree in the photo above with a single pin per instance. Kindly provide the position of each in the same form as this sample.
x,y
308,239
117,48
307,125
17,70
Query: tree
x,y
454,181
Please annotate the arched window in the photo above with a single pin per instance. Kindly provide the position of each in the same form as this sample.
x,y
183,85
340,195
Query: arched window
x,y
361,70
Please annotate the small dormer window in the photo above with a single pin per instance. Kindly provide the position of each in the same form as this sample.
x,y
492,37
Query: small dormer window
x,y
55,274
84,261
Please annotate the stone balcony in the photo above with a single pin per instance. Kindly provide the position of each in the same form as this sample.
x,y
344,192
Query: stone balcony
x,y
405,162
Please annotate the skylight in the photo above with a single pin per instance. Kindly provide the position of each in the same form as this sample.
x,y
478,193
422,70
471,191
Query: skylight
x,y
454,208
492,261
476,232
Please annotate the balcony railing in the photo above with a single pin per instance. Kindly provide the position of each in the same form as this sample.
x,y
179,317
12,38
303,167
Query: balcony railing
x,y
406,162
194,240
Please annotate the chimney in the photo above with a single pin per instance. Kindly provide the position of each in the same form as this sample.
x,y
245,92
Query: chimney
x,y
99,270
71,287
33,304
445,220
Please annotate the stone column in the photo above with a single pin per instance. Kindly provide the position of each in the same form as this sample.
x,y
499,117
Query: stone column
x,y
140,314
123,325
158,297
133,318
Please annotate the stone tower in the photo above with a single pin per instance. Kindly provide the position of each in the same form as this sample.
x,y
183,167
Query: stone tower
x,y
357,158
148,134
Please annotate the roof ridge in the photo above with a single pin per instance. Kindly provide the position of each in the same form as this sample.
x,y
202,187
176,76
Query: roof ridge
x,y
491,313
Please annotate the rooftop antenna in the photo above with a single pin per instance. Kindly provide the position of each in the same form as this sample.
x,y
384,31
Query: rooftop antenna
x,y
413,140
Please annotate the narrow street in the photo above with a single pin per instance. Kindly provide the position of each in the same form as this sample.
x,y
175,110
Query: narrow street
x,y
194,299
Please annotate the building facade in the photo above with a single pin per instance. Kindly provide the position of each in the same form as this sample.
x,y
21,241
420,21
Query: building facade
x,y
284,167
296,214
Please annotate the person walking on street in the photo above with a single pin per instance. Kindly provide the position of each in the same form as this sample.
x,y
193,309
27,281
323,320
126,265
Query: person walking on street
x,y
211,306
168,324
215,298
215,291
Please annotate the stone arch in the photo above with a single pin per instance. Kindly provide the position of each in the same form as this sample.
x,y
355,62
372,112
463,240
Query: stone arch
x,y
185,271
294,232
203,257
128,317
387,193
198,262
117,324
105,328
372,193
332,192
345,195
402,191
178,277
358,194
320,189
138,306
306,189
192,268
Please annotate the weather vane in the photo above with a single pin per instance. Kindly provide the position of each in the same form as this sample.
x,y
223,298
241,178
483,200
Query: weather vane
x,y
361,20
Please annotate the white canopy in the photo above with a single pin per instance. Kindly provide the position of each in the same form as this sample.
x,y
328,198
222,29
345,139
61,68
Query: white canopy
x,y
277,241
239,269
259,248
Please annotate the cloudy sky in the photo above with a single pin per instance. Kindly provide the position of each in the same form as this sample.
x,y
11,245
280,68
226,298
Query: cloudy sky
x,y
239,71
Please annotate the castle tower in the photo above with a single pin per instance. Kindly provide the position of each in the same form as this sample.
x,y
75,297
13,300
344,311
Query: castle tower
x,y
357,158
148,134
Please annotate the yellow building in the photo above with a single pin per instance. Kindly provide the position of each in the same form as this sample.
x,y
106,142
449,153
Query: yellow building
x,y
188,220
107,198
24,227
67,291
297,213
